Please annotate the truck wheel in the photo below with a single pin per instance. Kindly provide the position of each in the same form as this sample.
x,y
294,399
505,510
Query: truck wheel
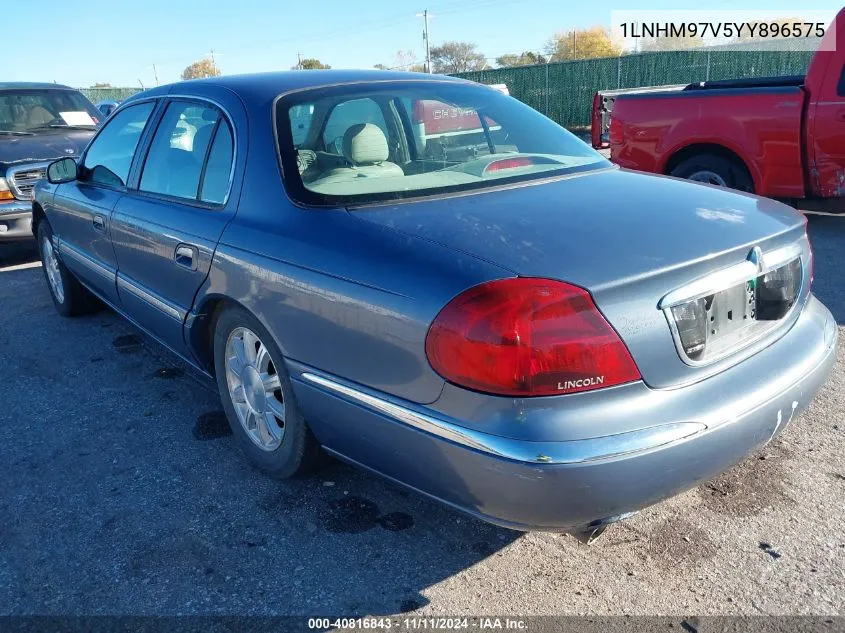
x,y
69,296
715,170
258,398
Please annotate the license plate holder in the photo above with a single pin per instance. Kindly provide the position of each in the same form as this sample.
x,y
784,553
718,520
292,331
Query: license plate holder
x,y
731,311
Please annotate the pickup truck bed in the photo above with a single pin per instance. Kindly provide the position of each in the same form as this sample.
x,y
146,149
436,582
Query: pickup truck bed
x,y
782,137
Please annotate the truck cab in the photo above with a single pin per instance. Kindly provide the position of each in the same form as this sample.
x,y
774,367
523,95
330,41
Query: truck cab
x,y
38,124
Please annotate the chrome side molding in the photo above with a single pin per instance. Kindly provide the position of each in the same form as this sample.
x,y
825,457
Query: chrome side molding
x,y
67,250
565,452
124,283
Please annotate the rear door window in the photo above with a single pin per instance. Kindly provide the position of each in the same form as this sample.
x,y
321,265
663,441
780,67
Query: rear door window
x,y
214,186
109,157
177,153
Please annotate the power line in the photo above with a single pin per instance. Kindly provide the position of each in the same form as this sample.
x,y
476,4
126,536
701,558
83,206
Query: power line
x,y
408,65
374,25
384,22
481,4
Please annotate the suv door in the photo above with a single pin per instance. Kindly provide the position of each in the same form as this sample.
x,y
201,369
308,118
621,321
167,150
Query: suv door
x,y
81,210
166,228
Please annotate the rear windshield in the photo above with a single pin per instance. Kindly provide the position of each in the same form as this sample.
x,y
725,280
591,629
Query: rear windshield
x,y
33,110
383,141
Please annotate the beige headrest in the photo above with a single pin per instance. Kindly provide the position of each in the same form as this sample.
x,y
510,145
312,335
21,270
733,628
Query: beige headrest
x,y
365,144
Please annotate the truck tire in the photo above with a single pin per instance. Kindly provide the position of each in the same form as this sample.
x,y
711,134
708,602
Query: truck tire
x,y
715,170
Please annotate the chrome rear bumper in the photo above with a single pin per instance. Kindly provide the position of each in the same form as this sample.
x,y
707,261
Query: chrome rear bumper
x,y
568,485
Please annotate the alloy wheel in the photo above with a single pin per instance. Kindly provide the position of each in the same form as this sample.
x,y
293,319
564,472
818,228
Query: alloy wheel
x,y
51,267
255,389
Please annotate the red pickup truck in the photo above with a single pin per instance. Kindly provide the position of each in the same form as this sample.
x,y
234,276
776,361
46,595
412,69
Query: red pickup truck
x,y
781,137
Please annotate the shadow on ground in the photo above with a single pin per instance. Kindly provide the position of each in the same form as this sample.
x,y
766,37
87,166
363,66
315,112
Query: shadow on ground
x,y
17,253
123,492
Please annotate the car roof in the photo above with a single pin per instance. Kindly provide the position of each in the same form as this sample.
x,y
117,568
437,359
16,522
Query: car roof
x,y
268,85
32,85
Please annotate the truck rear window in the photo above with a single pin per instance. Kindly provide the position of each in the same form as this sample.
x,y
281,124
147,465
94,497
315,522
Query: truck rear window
x,y
391,140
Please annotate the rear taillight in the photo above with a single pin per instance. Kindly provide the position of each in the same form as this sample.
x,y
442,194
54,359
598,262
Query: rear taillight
x,y
527,337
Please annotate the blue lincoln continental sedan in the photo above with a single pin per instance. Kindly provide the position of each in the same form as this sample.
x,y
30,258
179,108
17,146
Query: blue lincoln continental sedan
x,y
429,279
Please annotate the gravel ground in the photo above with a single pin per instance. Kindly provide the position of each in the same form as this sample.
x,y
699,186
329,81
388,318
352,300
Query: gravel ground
x,y
123,494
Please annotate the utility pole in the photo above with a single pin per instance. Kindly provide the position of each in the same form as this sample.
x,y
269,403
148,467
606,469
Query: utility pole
x,y
575,43
155,73
424,16
299,61
212,57
427,46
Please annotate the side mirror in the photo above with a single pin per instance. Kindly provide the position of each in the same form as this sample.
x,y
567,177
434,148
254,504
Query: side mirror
x,y
62,170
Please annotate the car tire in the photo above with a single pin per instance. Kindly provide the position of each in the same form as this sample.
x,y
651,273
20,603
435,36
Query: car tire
x,y
287,449
69,296
715,170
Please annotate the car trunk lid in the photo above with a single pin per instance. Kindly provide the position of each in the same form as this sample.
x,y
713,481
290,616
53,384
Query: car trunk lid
x,y
628,238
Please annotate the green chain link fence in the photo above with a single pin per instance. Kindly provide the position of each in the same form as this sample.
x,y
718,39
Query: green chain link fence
x,y
108,94
564,91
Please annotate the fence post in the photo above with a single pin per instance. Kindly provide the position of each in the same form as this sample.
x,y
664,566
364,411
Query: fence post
x,y
619,72
707,72
547,89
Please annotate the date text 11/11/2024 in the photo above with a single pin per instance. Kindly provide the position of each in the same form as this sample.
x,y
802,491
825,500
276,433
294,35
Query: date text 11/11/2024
x,y
417,624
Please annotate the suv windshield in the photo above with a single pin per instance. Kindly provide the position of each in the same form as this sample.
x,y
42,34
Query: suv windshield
x,y
31,110
357,144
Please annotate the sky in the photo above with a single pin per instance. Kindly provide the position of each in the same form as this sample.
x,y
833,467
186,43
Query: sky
x,y
121,42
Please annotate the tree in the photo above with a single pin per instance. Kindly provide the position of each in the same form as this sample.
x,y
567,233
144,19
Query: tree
x,y
381,67
525,58
651,44
583,44
101,84
310,63
407,60
457,57
200,69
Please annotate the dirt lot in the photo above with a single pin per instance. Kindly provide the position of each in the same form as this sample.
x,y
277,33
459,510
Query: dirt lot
x,y
122,494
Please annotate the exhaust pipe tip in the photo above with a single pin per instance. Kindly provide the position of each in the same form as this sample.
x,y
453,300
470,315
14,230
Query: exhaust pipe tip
x,y
596,528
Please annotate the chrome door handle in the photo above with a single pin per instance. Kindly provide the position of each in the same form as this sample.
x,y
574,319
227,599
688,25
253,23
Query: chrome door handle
x,y
186,256
99,222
